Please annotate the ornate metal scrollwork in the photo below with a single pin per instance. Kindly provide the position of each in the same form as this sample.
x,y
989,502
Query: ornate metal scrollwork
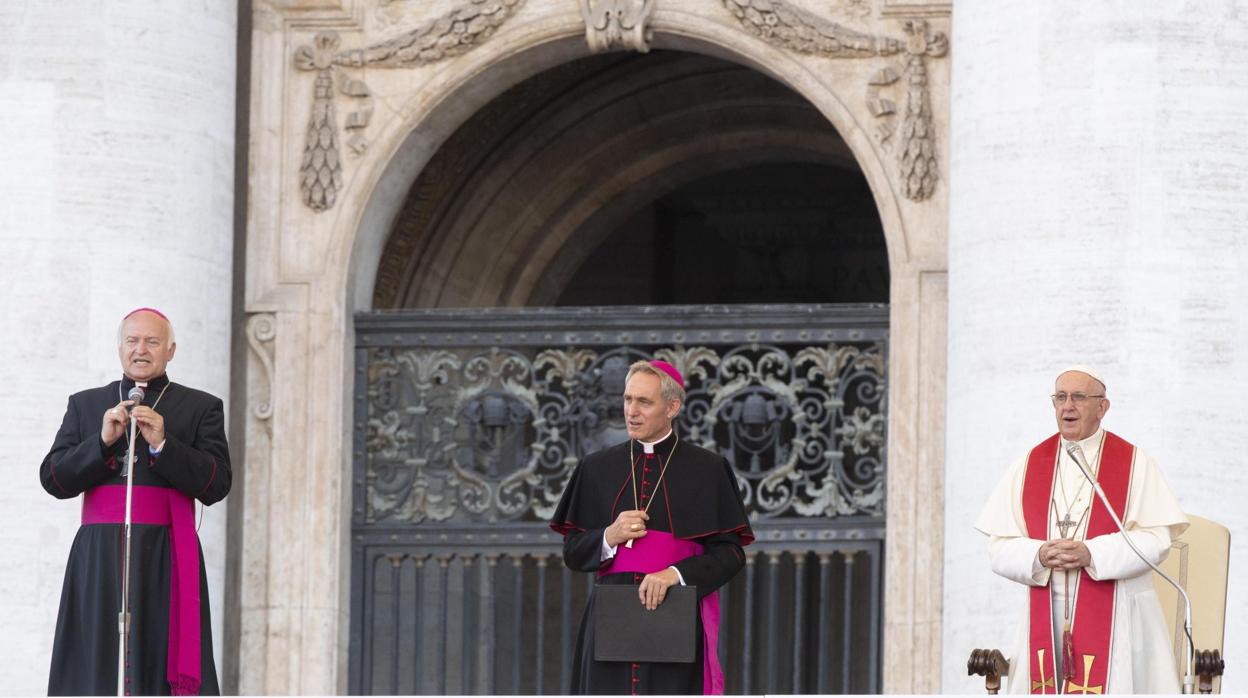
x,y
492,434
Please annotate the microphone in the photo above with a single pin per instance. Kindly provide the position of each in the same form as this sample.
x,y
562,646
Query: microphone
x,y
1076,454
136,393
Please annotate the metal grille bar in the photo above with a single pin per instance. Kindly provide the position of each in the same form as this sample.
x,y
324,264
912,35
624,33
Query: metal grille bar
x,y
789,584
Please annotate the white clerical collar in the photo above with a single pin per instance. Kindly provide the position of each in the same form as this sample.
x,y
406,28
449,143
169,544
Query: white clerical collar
x,y
648,447
1091,446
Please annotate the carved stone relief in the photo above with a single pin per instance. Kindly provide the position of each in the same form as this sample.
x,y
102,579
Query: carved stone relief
x,y
911,135
454,33
261,331
617,23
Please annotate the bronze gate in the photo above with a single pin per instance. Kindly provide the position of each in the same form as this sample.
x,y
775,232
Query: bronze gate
x,y
468,424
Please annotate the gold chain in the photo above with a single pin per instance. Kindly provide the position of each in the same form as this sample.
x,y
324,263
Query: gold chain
x,y
1070,506
1070,503
632,474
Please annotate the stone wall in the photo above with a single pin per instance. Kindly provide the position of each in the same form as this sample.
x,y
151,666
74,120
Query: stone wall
x,y
116,191
1099,189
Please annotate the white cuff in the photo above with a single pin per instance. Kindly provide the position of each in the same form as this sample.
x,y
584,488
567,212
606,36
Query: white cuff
x,y
608,551
679,576
1039,573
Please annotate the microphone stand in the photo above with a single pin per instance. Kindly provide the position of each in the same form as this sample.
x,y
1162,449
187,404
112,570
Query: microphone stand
x,y
1189,680
123,618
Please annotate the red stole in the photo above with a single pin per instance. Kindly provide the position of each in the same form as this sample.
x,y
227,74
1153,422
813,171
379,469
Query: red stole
x,y
1093,621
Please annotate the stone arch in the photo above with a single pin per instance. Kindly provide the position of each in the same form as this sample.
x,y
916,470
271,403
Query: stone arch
x,y
409,142
308,272
474,230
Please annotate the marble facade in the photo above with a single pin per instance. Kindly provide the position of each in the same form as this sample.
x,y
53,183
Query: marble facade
x,y
1056,183
351,99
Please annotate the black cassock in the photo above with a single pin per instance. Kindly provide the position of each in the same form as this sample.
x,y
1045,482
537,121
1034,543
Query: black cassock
x,y
195,460
697,499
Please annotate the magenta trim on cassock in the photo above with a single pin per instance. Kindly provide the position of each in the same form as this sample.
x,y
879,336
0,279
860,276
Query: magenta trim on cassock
x,y
655,552
160,506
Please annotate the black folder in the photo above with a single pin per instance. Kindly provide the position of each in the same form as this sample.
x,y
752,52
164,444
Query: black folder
x,y
625,631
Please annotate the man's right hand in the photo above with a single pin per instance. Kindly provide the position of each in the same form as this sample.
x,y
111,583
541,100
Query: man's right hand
x,y
628,525
1064,554
115,422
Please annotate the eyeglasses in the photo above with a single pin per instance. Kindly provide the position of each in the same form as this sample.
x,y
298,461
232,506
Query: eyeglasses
x,y
1059,399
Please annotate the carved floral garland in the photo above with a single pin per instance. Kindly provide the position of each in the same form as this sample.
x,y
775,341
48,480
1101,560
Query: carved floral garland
x,y
453,34
793,28
624,23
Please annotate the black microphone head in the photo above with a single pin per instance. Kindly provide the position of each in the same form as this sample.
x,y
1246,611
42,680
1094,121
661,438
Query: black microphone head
x,y
136,394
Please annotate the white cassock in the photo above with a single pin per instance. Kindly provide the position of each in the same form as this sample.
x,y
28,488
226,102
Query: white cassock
x,y
1141,660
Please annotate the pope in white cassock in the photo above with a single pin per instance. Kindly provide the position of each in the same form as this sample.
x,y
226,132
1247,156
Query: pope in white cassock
x,y
1093,623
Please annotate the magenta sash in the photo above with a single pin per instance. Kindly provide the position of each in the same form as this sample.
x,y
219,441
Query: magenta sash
x,y
655,552
160,506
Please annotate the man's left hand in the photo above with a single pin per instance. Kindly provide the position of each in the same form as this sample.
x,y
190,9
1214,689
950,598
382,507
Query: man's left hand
x,y
151,424
1068,554
654,587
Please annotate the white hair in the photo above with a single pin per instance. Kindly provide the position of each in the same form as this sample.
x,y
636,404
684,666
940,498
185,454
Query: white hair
x,y
669,389
121,326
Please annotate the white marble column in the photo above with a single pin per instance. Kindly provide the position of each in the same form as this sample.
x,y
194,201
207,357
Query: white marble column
x,y
1099,193
116,191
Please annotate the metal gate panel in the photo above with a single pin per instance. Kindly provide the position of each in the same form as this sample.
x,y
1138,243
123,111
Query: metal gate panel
x,y
467,427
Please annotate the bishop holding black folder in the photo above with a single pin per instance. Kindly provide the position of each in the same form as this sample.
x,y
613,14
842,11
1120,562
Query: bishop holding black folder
x,y
656,512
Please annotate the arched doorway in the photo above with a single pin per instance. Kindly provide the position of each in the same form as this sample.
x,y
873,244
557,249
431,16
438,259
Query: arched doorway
x,y
715,186
876,68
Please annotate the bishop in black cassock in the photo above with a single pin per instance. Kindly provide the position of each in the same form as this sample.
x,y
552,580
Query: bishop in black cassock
x,y
673,491
180,455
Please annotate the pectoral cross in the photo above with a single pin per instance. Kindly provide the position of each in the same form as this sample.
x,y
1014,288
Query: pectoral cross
x,y
1072,687
1066,524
